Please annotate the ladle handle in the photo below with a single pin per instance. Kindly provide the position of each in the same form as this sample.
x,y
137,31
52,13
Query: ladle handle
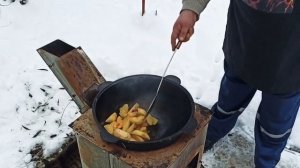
x,y
162,78
178,45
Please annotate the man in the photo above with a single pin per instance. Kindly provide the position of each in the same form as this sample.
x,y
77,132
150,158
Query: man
x,y
262,52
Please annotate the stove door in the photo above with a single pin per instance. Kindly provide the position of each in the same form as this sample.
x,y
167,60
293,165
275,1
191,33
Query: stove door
x,y
74,70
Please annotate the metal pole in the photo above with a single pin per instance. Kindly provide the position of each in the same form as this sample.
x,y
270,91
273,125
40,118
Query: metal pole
x,y
143,7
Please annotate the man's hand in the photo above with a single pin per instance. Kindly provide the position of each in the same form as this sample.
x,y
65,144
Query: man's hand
x,y
183,28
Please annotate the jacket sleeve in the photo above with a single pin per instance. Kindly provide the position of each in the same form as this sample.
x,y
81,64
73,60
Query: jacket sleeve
x,y
196,6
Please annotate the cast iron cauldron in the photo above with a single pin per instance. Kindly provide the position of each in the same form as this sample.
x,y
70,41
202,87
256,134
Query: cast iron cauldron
x,y
174,108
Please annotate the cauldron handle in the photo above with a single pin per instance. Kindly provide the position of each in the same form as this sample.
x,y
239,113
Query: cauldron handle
x,y
191,126
90,94
103,85
174,79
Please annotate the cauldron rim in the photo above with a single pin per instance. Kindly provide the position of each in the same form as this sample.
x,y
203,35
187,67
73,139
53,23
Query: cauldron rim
x,y
171,137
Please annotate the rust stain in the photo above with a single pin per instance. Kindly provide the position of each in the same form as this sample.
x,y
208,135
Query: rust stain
x,y
79,71
117,152
86,127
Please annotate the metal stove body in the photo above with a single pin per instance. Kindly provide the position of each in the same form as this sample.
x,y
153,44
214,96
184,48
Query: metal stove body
x,y
80,78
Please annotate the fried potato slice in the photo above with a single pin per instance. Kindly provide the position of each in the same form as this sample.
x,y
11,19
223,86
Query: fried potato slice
x,y
141,134
130,124
134,108
126,124
132,139
137,138
119,119
151,120
109,128
118,125
111,118
144,129
124,110
114,124
137,120
121,134
132,114
119,122
131,128
141,112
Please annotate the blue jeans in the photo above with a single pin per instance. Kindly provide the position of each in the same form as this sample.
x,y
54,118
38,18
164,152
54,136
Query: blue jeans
x,y
274,120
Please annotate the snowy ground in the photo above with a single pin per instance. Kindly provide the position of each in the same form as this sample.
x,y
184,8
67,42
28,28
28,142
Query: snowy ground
x,y
115,37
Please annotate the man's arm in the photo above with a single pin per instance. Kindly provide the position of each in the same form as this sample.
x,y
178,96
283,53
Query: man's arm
x,y
196,6
183,28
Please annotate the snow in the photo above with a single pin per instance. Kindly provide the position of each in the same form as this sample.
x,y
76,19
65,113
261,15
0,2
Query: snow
x,y
120,43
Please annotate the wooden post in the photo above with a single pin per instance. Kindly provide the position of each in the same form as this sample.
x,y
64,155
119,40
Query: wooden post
x,y
143,7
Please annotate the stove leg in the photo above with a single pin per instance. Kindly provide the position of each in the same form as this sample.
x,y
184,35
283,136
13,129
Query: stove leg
x,y
197,160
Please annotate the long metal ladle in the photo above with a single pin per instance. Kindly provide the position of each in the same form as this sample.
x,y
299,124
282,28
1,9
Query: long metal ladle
x,y
162,78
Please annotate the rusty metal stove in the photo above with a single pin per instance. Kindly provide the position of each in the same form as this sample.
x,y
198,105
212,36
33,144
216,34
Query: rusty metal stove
x,y
79,76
